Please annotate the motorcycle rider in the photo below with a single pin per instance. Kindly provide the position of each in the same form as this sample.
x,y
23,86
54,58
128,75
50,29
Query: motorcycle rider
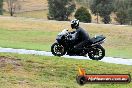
x,y
81,35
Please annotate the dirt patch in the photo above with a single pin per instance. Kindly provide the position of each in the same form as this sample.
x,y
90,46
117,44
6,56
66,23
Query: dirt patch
x,y
9,63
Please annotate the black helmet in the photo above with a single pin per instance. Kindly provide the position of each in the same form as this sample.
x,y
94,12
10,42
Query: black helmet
x,y
74,23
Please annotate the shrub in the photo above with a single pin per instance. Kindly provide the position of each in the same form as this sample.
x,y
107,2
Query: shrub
x,y
83,15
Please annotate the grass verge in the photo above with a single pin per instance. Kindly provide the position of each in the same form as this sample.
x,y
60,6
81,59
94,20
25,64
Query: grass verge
x,y
31,71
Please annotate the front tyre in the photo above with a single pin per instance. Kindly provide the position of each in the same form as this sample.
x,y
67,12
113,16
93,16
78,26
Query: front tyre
x,y
97,52
57,50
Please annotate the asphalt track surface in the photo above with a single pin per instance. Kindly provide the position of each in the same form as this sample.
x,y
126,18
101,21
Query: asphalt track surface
x,y
44,53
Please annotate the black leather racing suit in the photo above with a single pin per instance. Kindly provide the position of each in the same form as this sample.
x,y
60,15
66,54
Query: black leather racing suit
x,y
82,38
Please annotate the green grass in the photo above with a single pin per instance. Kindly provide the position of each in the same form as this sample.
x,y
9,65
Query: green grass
x,y
120,52
40,35
31,71
26,39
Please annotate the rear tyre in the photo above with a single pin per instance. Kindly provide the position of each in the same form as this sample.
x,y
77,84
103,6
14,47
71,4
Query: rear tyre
x,y
57,50
97,52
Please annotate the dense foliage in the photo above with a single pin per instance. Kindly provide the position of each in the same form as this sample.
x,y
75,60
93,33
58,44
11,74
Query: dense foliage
x,y
1,7
60,9
83,15
103,8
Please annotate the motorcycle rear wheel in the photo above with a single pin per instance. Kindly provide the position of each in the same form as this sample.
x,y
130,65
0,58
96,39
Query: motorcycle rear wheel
x,y
96,53
58,50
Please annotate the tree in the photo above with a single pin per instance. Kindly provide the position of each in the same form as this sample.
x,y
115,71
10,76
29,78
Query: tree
x,y
106,8
1,7
102,8
94,6
12,4
121,16
121,11
130,12
130,15
83,15
60,9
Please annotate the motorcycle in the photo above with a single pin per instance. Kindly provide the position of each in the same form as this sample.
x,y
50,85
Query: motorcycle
x,y
65,43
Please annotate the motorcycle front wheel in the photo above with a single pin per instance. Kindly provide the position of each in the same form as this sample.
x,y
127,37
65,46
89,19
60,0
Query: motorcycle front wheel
x,y
57,50
96,53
